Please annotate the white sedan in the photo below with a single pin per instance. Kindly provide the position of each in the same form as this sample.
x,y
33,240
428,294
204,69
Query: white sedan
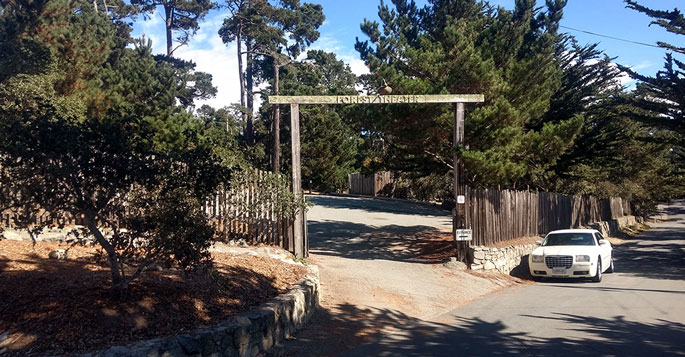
x,y
572,253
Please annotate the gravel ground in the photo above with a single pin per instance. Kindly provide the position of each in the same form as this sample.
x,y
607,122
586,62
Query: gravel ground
x,y
379,271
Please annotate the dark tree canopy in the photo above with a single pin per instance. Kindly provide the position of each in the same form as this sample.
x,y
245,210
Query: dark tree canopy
x,y
661,98
268,31
329,143
90,127
468,47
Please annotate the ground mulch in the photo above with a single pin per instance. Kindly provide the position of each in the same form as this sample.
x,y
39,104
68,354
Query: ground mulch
x,y
439,246
64,306
436,247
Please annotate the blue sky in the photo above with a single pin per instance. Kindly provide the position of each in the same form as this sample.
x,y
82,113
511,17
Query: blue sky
x,y
343,17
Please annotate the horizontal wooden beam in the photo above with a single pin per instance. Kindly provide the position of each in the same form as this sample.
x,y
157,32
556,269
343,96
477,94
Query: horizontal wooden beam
x,y
377,99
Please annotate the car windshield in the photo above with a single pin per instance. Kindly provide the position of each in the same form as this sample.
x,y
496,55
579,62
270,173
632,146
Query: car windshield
x,y
568,239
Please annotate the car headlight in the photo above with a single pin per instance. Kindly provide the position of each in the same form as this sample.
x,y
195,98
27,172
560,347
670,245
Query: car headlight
x,y
538,258
583,258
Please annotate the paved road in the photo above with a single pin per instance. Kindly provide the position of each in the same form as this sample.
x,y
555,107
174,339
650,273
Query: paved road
x,y
638,311
378,262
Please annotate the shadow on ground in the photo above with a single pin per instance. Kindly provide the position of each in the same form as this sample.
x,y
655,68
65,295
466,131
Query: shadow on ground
x,y
348,331
420,244
658,254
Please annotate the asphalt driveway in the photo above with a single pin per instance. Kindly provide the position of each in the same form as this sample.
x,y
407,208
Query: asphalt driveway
x,y
637,311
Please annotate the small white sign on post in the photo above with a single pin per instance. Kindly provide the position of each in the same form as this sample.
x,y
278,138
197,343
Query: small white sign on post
x,y
463,235
461,199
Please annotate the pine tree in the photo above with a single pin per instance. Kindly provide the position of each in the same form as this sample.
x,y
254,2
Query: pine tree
x,y
180,16
468,46
329,143
662,97
275,34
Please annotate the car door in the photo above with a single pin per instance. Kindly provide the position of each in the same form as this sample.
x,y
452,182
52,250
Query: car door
x,y
605,250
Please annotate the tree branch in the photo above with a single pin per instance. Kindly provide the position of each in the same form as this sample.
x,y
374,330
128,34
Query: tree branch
x,y
441,160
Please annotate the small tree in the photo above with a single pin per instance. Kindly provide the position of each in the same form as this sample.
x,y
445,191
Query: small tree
x,y
112,147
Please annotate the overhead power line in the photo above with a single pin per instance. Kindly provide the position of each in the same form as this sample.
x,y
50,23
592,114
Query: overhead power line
x,y
612,37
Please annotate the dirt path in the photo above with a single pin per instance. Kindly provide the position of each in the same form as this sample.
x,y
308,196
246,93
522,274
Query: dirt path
x,y
380,269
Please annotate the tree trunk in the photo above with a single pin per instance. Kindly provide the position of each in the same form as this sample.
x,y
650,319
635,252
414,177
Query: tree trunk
x,y
168,12
241,77
276,125
119,283
249,76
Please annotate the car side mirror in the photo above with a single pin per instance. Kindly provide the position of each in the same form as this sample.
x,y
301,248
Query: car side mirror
x,y
538,242
603,242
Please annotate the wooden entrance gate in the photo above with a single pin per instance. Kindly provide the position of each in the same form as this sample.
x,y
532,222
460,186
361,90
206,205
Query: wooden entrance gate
x,y
301,240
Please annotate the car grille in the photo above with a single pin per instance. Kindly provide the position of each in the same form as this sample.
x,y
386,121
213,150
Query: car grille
x,y
558,261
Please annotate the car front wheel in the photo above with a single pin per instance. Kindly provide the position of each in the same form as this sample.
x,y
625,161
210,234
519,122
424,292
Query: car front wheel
x,y
598,276
611,264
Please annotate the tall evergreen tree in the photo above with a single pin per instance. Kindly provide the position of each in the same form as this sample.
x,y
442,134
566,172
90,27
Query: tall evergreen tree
x,y
270,31
468,46
329,143
181,17
662,97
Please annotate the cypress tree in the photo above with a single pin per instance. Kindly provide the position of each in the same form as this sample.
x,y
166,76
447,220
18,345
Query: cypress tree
x,y
468,46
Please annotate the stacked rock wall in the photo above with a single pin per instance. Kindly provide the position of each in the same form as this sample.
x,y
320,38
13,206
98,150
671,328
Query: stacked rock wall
x,y
503,260
245,335
613,227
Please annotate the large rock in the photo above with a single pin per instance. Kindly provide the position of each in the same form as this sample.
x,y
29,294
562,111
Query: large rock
x,y
58,254
455,264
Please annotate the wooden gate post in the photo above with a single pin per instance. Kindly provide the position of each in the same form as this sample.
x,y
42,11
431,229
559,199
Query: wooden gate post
x,y
299,238
459,213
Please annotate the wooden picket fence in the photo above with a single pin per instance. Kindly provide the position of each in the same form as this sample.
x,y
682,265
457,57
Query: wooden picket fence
x,y
496,216
253,211
380,183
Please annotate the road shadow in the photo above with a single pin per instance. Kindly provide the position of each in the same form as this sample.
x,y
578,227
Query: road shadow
x,y
55,307
420,244
335,330
675,207
656,254
368,204
348,330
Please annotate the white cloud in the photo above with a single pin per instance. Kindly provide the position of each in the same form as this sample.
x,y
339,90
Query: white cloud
x,y
642,65
212,56
358,66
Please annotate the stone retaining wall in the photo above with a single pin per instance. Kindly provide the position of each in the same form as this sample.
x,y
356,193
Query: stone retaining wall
x,y
613,227
503,260
245,335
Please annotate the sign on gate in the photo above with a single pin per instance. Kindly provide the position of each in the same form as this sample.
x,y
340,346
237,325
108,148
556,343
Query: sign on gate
x,y
461,235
